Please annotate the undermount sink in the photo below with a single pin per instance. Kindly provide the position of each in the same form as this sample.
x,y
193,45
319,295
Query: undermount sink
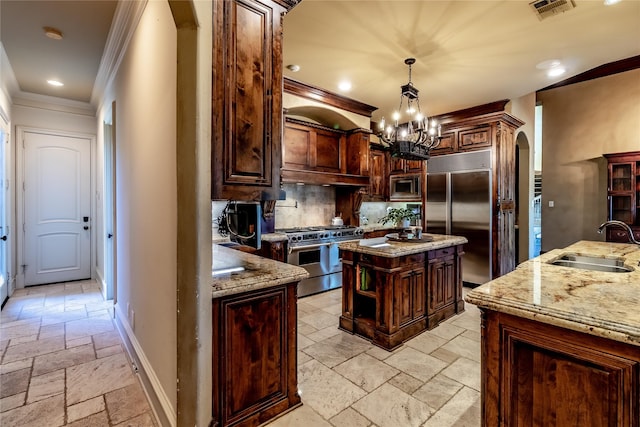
x,y
586,262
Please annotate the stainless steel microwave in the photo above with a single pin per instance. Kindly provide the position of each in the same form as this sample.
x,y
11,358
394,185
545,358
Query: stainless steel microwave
x,y
405,187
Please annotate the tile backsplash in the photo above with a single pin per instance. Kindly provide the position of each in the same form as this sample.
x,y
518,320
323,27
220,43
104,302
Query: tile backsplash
x,y
308,205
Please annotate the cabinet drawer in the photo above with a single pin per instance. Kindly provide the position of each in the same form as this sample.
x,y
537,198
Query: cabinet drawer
x,y
440,253
412,259
621,236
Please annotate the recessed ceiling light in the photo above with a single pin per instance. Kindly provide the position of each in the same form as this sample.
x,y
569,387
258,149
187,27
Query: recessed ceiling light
x,y
610,2
52,33
556,71
55,83
344,86
293,67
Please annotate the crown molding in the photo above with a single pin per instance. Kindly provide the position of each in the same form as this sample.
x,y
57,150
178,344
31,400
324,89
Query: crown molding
x,y
125,21
52,103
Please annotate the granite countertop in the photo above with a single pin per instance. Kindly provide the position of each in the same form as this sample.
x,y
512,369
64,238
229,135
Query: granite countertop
x,y
597,303
380,246
257,273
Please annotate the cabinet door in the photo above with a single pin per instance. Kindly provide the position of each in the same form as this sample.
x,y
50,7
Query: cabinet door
x,y
447,145
441,283
327,152
247,100
413,166
396,165
418,293
254,339
402,296
559,381
297,147
476,138
377,175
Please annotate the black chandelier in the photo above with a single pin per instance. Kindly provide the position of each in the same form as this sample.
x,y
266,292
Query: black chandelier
x,y
414,139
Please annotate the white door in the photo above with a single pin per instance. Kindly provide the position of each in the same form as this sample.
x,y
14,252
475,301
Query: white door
x,y
109,212
57,208
4,231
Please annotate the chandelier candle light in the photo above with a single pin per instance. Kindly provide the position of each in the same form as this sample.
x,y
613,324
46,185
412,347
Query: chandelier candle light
x,y
416,138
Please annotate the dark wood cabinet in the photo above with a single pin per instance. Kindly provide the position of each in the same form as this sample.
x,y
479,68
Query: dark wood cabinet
x,y
316,154
390,300
378,186
247,98
540,374
254,356
400,166
313,147
275,250
623,193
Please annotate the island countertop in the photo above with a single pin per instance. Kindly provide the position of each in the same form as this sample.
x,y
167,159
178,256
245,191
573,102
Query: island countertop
x,y
390,249
597,303
248,272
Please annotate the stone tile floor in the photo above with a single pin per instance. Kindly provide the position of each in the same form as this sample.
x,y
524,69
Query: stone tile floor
x,y
432,380
62,362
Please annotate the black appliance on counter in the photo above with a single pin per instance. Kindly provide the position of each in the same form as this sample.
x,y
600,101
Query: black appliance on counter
x,y
316,250
244,223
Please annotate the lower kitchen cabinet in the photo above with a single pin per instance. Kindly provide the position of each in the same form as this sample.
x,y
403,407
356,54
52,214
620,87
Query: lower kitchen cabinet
x,y
392,299
254,356
275,250
536,374
445,296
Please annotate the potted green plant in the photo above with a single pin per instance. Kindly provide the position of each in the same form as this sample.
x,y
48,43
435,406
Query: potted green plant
x,y
399,216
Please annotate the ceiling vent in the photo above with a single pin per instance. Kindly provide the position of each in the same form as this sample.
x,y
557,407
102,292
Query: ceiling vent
x,y
547,8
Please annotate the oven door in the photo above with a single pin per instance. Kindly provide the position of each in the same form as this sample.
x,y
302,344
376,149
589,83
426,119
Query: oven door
x,y
313,258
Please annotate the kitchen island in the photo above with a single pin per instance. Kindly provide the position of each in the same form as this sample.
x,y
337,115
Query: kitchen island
x,y
254,337
393,290
561,344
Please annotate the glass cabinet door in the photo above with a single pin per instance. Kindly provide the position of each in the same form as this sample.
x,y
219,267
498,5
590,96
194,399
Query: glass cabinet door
x,y
621,177
620,208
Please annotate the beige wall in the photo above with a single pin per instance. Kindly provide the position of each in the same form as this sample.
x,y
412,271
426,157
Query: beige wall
x,y
580,123
144,90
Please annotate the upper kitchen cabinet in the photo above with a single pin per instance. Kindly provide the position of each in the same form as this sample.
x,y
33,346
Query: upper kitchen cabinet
x,y
247,98
623,193
325,139
400,166
378,190
317,154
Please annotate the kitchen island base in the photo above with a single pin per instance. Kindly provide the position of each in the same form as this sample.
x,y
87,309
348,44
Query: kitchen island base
x,y
390,299
539,374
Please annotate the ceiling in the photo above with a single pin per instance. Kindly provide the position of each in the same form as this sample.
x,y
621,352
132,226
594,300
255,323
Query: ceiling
x,y
467,52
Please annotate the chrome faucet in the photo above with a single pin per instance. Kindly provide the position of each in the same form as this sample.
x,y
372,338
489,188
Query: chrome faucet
x,y
621,224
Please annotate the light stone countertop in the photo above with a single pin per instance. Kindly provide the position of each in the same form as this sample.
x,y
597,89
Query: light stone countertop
x,y
597,303
392,249
258,273
273,237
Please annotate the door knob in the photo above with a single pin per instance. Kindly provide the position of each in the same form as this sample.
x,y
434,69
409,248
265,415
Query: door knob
x,y
109,236
4,238
86,227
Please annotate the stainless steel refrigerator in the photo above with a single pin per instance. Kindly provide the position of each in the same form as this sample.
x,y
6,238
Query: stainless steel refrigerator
x,y
458,202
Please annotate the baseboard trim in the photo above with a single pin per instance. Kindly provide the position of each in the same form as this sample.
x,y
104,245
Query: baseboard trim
x,y
160,403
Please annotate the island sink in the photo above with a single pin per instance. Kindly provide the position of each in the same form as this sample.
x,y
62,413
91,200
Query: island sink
x,y
595,263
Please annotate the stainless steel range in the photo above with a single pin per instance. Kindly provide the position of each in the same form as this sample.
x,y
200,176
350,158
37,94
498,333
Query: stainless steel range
x,y
316,250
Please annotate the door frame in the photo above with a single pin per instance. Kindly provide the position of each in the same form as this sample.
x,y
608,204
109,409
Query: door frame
x,y
20,208
5,147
